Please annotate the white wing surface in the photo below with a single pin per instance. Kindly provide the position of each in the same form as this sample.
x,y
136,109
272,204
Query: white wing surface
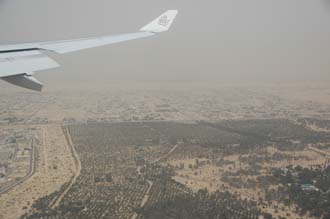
x,y
26,61
19,61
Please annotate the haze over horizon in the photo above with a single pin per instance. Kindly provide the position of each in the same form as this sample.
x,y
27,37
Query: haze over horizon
x,y
234,41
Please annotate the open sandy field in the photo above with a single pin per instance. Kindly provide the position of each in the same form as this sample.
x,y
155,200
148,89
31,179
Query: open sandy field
x,y
209,176
55,166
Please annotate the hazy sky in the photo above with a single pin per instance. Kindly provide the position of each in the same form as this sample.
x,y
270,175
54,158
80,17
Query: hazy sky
x,y
218,40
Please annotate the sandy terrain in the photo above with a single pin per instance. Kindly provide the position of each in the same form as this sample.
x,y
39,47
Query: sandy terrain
x,y
55,167
209,176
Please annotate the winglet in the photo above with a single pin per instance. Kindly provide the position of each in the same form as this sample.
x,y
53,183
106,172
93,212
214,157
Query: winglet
x,y
162,23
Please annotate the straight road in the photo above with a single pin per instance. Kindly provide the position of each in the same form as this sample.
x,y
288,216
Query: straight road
x,y
322,152
78,168
145,198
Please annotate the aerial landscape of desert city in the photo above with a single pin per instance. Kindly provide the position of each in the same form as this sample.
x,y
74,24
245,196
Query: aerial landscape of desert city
x,y
166,150
165,109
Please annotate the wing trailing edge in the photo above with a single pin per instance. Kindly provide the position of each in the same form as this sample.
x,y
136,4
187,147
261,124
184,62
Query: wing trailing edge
x,y
24,80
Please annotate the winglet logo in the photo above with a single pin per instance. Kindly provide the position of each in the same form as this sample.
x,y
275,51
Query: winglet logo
x,y
164,21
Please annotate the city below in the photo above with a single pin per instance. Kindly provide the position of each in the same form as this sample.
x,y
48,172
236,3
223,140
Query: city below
x,y
145,150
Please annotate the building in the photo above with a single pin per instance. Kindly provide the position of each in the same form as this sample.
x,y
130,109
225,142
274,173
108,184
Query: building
x,y
309,188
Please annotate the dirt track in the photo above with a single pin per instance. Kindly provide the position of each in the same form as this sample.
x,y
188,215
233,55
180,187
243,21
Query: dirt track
x,y
78,168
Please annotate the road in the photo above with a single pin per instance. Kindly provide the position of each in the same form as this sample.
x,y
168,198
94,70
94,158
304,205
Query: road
x,y
78,168
32,169
316,128
145,198
322,152
147,195
85,122
166,156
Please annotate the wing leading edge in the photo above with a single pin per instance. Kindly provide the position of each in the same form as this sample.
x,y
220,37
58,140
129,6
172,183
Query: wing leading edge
x,y
18,62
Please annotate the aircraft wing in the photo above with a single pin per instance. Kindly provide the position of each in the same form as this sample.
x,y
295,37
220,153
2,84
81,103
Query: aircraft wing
x,y
18,62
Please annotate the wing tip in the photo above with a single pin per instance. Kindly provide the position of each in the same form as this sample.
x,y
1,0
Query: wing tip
x,y
162,23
